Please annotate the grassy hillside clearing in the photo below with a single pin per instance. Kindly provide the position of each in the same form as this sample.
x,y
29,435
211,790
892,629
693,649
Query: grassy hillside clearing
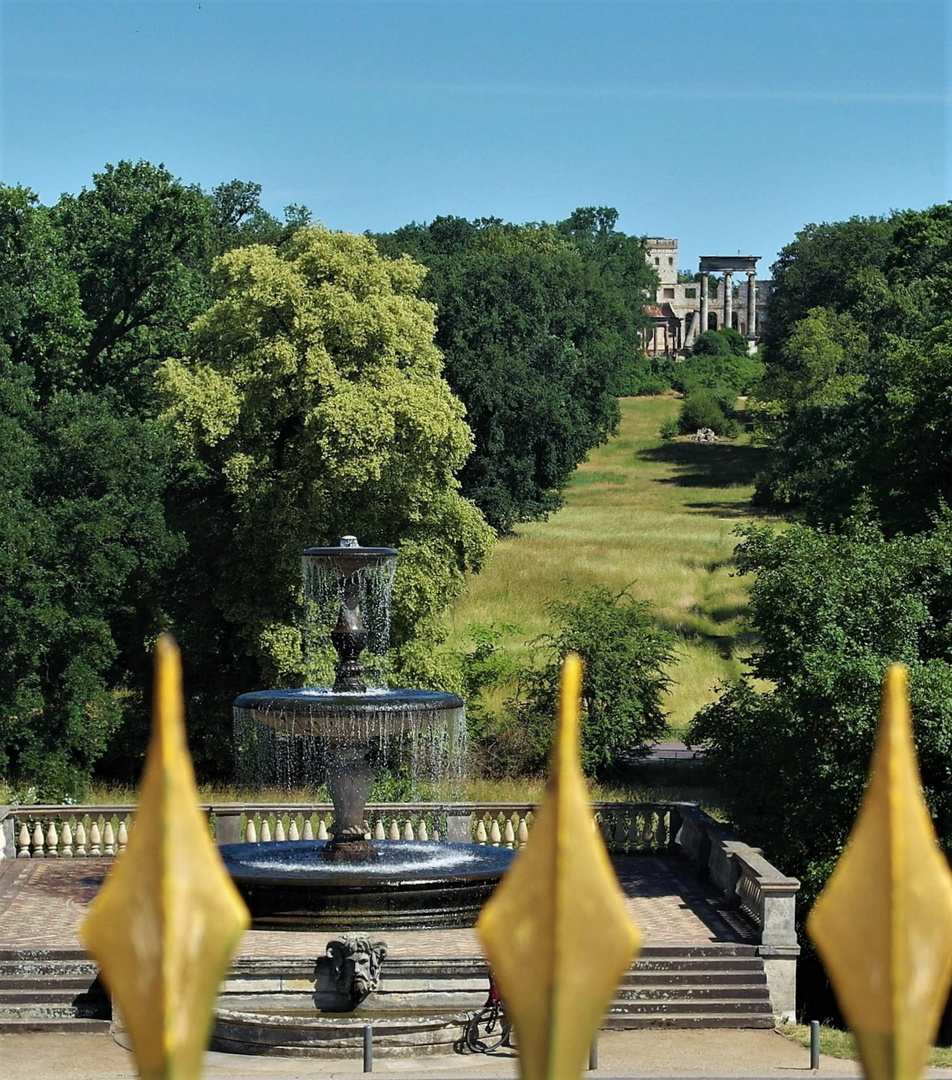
x,y
658,515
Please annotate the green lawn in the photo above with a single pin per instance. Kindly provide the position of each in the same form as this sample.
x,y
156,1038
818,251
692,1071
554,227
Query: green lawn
x,y
658,515
839,1044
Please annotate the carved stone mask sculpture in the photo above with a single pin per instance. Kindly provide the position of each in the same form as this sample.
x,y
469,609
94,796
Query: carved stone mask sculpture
x,y
356,964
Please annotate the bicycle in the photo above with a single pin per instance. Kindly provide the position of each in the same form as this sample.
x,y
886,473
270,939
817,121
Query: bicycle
x,y
489,1028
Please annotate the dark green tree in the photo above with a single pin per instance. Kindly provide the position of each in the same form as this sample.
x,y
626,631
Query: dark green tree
x,y
827,265
81,528
853,388
535,338
790,742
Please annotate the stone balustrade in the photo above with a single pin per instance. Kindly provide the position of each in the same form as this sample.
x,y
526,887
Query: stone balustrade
x,y
37,832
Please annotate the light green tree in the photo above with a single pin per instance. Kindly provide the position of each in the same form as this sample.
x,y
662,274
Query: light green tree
x,y
312,400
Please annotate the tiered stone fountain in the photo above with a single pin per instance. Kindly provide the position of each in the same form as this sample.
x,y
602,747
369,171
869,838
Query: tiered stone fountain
x,y
350,881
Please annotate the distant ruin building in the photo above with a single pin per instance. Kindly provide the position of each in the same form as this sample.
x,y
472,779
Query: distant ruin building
x,y
680,310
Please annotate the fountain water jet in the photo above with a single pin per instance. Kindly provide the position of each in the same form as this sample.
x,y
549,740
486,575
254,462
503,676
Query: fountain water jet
x,y
351,881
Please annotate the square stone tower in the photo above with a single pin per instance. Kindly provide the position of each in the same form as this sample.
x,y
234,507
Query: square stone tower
x,y
663,256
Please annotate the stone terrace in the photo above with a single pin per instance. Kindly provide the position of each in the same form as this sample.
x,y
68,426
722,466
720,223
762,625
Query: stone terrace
x,y
42,902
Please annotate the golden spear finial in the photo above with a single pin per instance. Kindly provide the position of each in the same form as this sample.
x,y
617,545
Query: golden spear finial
x,y
167,921
556,931
883,924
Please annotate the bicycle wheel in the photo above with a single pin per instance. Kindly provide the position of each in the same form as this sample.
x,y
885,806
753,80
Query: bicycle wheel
x,y
487,1031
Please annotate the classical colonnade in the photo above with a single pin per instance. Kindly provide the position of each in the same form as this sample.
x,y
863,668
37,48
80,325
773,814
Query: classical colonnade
x,y
730,265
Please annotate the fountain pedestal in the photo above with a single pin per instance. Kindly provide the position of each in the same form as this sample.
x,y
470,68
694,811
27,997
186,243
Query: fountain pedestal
x,y
349,780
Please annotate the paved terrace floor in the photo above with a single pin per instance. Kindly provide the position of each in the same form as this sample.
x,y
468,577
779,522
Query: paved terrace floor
x,y
43,901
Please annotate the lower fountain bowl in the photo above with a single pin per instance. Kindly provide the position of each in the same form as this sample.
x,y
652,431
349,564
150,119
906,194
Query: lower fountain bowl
x,y
290,886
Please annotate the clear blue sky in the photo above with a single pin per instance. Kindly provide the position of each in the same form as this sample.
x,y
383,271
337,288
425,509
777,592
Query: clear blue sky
x,y
725,123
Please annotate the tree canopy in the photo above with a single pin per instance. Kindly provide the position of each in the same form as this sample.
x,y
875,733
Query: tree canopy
x,y
310,400
857,376
791,741
82,528
539,326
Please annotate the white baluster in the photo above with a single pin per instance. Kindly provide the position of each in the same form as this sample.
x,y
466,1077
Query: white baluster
x,y
379,833
436,836
122,836
308,833
367,834
523,833
38,841
408,830
23,842
251,833
394,829
508,835
293,833
279,830
108,839
80,840
494,835
94,840
52,842
265,831
322,829
67,838
421,833
481,832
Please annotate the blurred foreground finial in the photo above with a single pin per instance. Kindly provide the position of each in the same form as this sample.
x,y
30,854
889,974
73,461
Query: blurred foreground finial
x,y
883,924
168,919
556,931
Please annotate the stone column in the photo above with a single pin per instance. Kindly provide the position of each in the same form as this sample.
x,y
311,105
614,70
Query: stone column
x,y
703,325
751,304
728,284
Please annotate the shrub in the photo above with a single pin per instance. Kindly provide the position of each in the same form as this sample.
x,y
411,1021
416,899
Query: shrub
x,y
705,408
720,343
669,429
625,654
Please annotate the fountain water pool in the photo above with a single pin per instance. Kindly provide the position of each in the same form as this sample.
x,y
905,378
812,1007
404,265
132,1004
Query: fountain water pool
x,y
350,881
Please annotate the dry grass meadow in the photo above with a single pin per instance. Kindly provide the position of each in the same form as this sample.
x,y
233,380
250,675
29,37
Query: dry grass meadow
x,y
658,516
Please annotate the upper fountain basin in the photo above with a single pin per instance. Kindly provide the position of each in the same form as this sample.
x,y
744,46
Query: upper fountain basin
x,y
348,559
322,712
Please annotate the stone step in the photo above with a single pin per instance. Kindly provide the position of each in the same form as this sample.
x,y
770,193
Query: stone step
x,y
54,1009
49,966
668,993
53,996
724,949
682,978
632,1022
699,1006
699,963
51,1025
77,983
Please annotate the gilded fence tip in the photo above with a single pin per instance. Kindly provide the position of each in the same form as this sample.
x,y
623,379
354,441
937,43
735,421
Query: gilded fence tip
x,y
883,924
556,931
168,919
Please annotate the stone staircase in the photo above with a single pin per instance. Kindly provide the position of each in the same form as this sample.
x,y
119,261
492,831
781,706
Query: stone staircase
x,y
669,986
676,986
51,991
